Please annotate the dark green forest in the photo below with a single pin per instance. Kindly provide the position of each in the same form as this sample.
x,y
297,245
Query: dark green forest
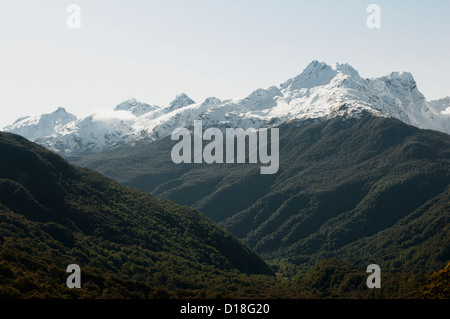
x,y
127,243
373,190
130,244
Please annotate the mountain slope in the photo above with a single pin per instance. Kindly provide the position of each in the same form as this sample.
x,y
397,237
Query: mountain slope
x,y
343,188
53,214
132,245
319,93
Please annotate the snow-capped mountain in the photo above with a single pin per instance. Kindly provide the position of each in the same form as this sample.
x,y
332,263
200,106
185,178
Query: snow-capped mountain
x,y
94,133
135,107
180,101
320,92
42,125
440,110
441,106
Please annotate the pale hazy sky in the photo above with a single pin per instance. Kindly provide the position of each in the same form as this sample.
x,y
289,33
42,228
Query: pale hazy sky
x,y
154,50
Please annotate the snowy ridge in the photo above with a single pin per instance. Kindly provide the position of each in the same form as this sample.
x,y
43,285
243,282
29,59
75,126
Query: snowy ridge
x,y
135,107
320,92
180,101
42,125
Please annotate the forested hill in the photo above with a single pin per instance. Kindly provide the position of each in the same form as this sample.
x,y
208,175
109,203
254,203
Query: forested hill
x,y
373,189
132,245
126,242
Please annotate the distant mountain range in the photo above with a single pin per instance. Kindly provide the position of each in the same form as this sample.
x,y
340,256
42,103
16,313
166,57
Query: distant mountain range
x,y
362,190
364,177
320,92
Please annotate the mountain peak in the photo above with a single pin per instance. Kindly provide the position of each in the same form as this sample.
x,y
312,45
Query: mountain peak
x,y
126,105
315,65
319,74
60,112
441,106
42,125
400,81
315,74
400,76
134,107
180,101
445,100
59,116
345,68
